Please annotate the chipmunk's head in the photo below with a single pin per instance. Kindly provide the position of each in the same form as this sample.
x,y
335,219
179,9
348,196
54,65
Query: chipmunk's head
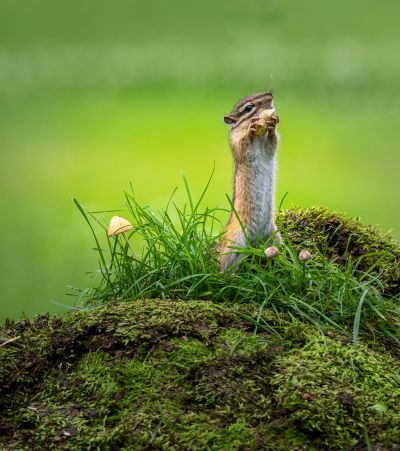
x,y
247,108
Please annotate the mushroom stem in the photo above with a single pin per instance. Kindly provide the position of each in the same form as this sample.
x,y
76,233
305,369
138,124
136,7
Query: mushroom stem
x,y
129,244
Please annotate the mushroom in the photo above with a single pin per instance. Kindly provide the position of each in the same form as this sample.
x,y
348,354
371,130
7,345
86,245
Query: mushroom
x,y
271,252
305,255
120,225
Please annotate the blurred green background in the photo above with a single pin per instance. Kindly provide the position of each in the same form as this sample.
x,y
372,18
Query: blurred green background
x,y
95,95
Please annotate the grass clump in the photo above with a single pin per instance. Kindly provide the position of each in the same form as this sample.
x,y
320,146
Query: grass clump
x,y
351,285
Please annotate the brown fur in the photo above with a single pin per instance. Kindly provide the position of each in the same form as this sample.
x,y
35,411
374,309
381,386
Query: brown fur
x,y
247,171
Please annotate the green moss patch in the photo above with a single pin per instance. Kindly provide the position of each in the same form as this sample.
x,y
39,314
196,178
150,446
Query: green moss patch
x,y
158,374
342,238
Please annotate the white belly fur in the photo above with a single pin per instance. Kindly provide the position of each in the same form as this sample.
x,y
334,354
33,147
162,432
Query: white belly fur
x,y
262,189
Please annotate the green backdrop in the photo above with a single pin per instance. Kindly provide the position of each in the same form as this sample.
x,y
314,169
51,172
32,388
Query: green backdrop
x,y
97,95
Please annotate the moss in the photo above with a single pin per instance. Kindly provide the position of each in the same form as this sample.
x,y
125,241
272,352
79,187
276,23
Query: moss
x,y
171,374
343,239
327,386
191,375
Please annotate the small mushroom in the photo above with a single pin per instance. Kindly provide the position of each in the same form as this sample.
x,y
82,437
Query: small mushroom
x,y
271,252
120,225
305,255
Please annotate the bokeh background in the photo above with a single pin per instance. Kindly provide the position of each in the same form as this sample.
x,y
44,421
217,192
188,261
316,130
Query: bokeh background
x,y
97,95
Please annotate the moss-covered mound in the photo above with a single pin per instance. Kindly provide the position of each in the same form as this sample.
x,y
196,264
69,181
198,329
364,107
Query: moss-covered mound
x,y
341,238
158,374
267,371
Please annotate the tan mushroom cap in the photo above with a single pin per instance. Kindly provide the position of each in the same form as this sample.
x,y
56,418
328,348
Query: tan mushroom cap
x,y
271,252
118,225
305,255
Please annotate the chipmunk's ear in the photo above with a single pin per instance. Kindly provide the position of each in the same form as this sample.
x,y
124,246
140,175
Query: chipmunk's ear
x,y
229,119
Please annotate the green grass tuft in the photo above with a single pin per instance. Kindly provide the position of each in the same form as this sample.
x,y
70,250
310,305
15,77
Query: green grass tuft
x,y
350,286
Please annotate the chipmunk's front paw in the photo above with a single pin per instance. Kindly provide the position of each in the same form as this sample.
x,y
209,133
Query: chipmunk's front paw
x,y
271,122
265,124
257,127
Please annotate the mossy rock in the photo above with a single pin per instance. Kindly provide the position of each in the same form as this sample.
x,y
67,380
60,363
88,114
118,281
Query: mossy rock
x,y
173,374
159,374
342,238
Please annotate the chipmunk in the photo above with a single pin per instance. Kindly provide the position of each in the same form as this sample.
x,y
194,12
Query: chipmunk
x,y
254,140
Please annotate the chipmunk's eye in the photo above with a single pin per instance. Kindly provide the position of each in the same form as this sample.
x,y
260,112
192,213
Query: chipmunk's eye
x,y
248,107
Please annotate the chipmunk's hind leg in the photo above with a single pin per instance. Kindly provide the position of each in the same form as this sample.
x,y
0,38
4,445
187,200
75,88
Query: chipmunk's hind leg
x,y
227,261
272,236
228,256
